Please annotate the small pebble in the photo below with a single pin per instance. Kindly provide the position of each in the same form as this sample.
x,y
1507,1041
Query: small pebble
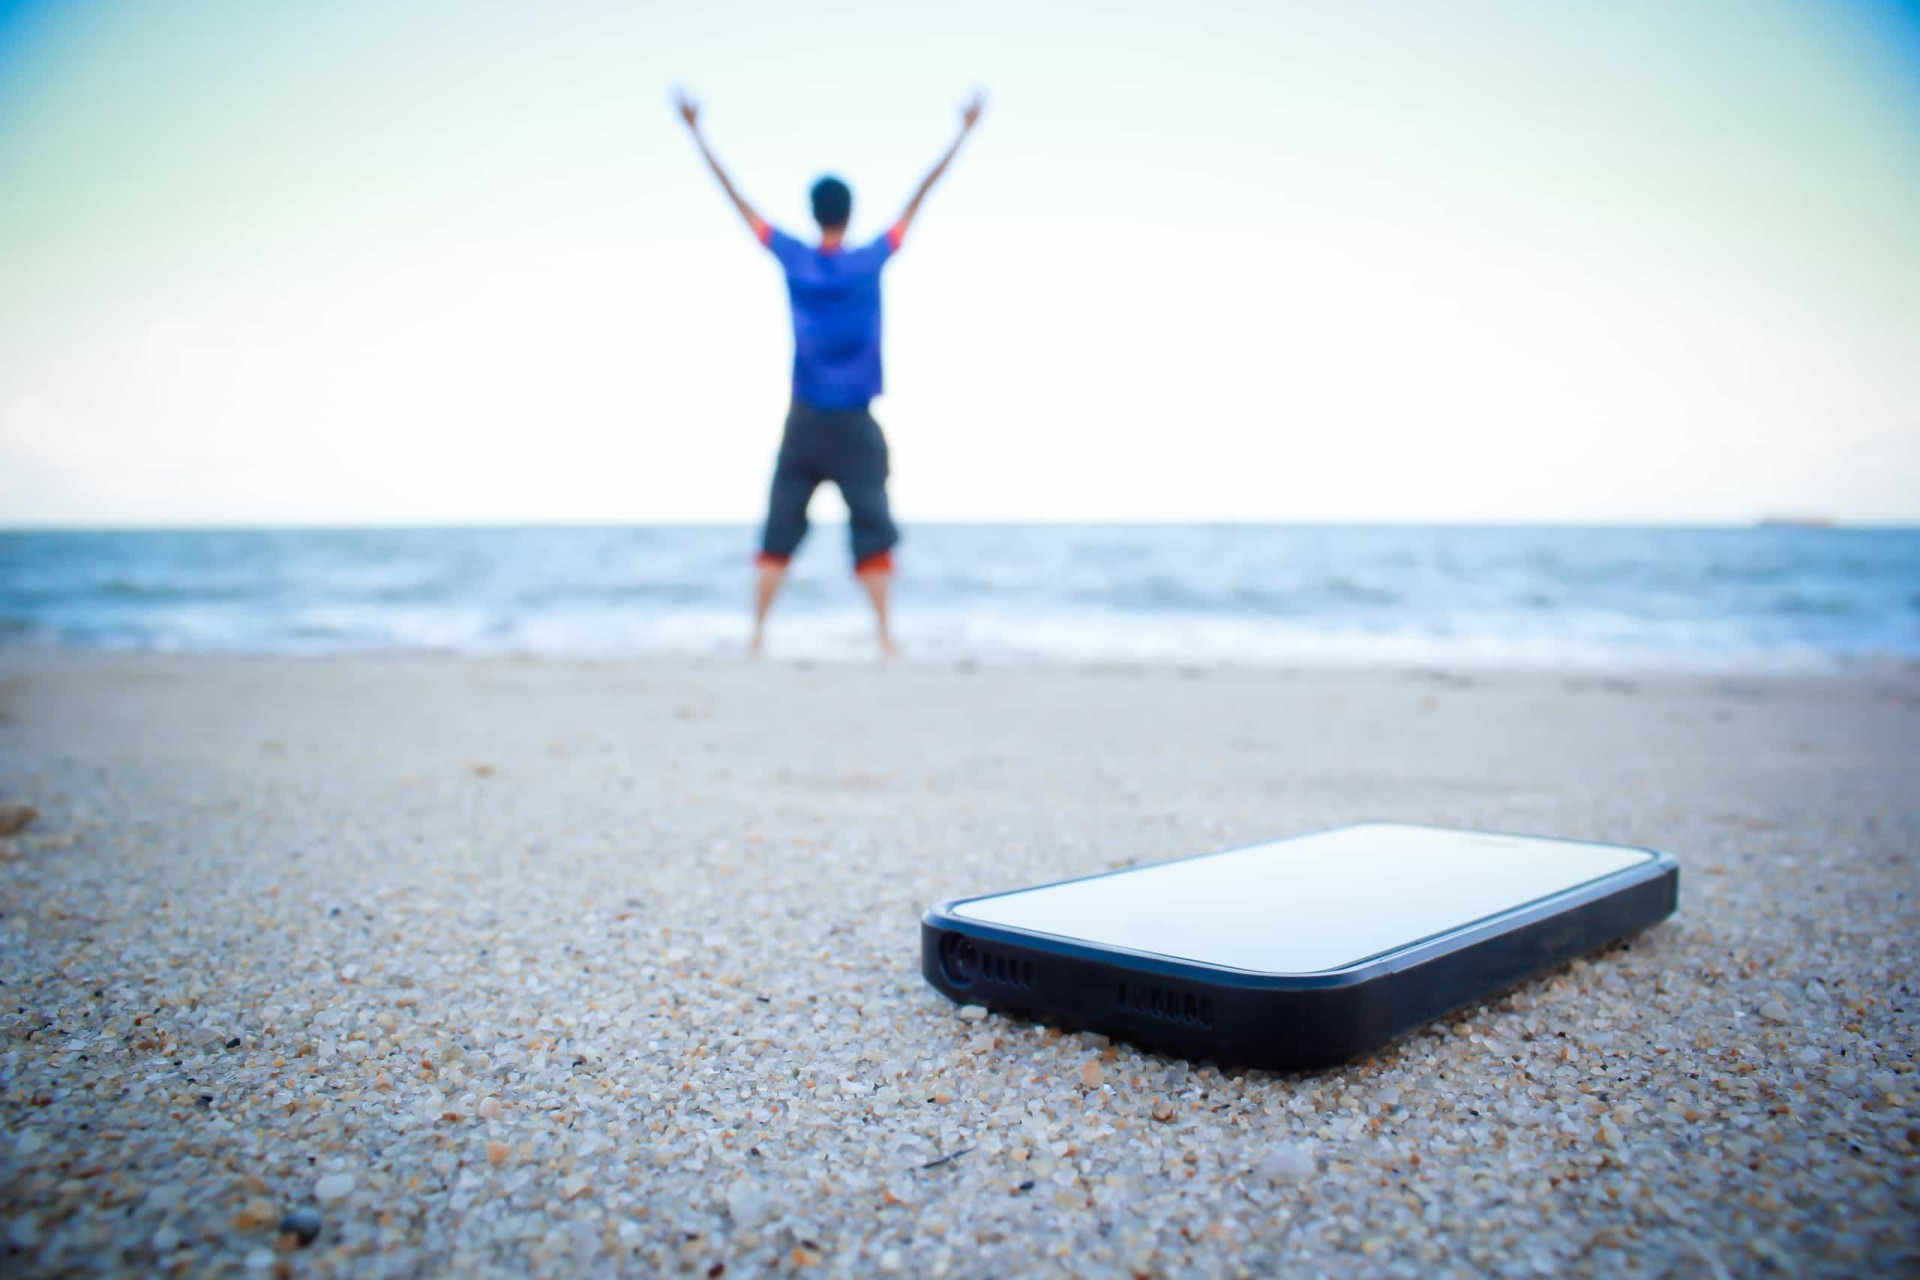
x,y
746,1205
1092,1076
973,1013
335,1186
1288,1162
303,1225
163,1197
15,818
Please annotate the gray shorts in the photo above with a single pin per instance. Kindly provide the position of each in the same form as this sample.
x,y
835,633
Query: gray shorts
x,y
846,447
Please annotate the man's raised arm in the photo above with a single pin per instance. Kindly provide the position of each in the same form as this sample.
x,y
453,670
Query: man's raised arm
x,y
969,116
690,112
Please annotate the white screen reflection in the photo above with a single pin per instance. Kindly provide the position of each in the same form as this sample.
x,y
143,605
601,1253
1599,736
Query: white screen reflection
x,y
1308,904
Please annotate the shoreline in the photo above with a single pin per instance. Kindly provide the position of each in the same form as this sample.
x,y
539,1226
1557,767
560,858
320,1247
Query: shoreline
x,y
1877,665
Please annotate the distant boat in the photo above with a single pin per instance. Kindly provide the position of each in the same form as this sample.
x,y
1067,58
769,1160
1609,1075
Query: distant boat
x,y
1796,522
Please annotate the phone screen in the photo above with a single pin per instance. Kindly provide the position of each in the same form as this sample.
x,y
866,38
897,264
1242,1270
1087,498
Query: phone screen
x,y
1308,904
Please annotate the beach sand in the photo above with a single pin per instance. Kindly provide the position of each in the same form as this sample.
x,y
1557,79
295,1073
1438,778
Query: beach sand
x,y
529,966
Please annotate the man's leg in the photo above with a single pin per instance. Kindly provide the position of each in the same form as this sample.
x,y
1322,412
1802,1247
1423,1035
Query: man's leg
x,y
769,574
792,490
863,483
877,577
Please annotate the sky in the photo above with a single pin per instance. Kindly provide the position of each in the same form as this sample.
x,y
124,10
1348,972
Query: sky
x,y
364,262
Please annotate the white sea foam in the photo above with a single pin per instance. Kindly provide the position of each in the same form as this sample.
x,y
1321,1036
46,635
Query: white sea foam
x,y
1515,596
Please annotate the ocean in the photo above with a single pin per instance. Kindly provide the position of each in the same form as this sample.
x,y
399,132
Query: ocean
x,y
1762,597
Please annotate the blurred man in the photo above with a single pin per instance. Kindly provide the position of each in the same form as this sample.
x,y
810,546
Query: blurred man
x,y
830,435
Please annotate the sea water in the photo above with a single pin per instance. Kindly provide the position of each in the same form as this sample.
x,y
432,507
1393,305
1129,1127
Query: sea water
x,y
1252,594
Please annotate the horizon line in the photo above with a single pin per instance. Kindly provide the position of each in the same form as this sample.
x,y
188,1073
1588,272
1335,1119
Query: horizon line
x,y
1758,522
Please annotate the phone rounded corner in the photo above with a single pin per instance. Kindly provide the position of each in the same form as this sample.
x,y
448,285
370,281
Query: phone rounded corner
x,y
945,914
1664,867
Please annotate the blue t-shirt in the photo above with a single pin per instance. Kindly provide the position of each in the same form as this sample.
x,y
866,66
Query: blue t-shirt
x,y
836,317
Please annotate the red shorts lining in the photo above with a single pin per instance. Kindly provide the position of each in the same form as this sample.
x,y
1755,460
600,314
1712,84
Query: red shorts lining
x,y
881,563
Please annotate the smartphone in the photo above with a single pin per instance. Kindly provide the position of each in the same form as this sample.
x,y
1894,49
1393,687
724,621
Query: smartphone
x,y
1299,953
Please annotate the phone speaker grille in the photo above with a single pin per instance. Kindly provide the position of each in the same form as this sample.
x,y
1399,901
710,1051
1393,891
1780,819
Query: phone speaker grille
x,y
1004,970
1166,1004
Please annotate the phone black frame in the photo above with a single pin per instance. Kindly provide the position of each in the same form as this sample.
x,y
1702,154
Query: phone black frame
x,y
1283,1021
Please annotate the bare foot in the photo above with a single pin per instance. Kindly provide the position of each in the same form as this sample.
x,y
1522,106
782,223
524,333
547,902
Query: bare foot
x,y
888,649
756,645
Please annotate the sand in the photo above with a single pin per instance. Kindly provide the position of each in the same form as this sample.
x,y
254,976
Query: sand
x,y
493,967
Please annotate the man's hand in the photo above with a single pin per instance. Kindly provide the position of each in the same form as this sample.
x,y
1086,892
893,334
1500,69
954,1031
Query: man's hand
x,y
690,112
969,117
970,114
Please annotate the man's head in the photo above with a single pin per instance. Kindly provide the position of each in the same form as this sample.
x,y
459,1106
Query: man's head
x,y
832,203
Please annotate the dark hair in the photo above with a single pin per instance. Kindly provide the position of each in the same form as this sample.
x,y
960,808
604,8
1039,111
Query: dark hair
x,y
832,202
